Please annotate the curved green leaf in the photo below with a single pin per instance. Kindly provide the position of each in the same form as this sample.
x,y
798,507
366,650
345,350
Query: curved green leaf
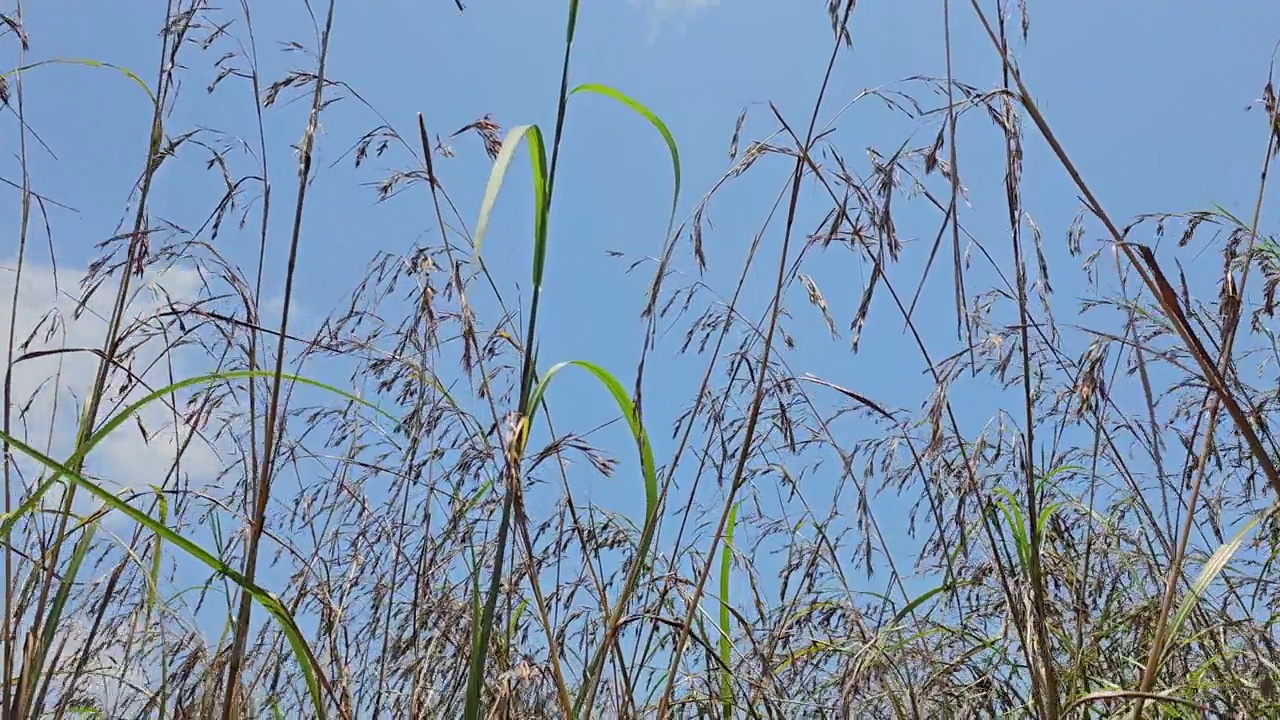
x,y
623,401
657,123
88,63
538,158
726,644
596,667
301,651
1208,573
8,520
159,528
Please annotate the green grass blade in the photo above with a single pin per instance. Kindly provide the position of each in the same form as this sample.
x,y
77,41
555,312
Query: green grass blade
x,y
920,600
622,399
153,594
541,206
477,616
1212,568
154,585
61,471
542,203
658,125
264,597
29,505
53,617
510,144
726,644
88,63
638,432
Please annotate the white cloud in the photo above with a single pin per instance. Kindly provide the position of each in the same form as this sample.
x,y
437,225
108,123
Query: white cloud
x,y
49,390
666,13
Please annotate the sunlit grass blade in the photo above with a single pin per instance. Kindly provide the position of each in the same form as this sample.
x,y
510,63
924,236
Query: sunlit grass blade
x,y
638,433
726,643
498,174
582,706
88,63
542,199
658,125
1212,568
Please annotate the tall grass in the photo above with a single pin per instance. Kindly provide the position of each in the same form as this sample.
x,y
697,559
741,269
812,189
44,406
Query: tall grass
x,y
1085,531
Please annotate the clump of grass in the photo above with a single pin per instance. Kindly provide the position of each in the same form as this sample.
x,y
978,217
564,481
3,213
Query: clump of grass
x,y
1086,530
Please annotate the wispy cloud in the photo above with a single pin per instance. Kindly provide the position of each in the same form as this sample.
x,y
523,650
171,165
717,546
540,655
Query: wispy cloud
x,y
672,14
56,342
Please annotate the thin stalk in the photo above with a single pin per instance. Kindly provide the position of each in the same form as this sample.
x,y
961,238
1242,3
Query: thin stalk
x,y
513,453
757,399
1143,260
1045,687
23,227
1147,682
110,347
273,416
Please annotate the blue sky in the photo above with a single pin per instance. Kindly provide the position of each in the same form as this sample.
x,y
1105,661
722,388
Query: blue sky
x,y
1148,97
